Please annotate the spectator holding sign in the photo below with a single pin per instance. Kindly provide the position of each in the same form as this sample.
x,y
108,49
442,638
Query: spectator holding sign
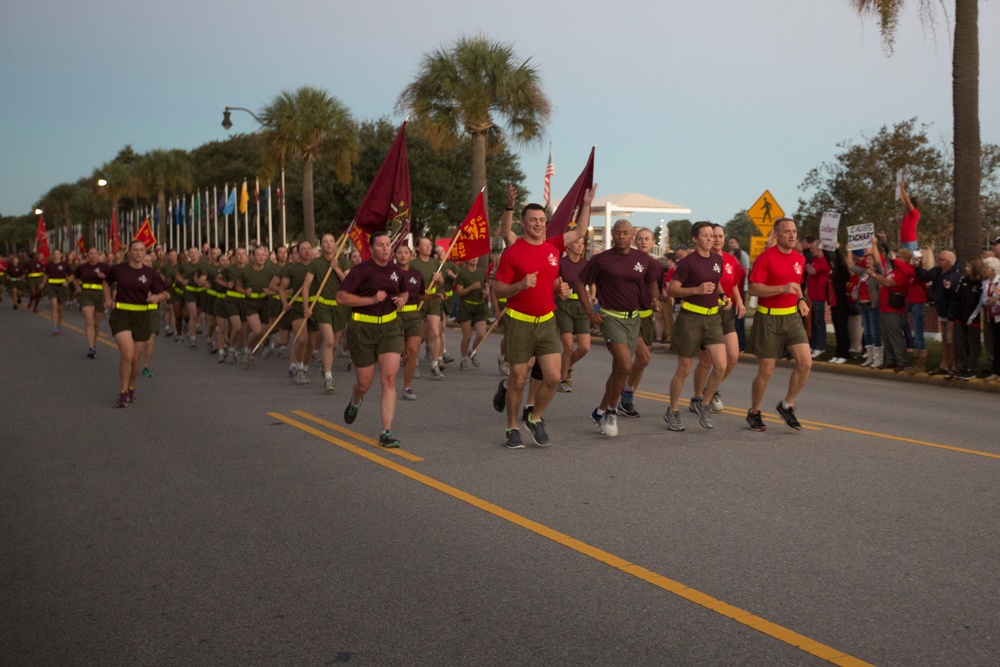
x,y
908,225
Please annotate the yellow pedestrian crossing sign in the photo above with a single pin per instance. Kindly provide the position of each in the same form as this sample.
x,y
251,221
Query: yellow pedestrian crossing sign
x,y
764,212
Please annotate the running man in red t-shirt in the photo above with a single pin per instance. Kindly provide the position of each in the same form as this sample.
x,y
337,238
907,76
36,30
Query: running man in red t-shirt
x,y
776,281
526,277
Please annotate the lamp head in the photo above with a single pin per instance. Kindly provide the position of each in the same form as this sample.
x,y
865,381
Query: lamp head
x,y
226,122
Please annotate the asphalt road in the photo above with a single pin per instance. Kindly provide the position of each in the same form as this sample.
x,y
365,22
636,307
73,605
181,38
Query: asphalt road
x,y
230,517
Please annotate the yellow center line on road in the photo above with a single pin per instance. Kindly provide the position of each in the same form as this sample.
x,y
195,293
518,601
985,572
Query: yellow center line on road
x,y
816,426
729,411
357,436
741,616
101,336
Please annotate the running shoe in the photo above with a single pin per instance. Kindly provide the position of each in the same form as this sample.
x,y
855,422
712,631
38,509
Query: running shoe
x,y
231,359
131,395
168,331
715,405
500,397
56,330
564,387
788,414
475,360
328,385
525,413
388,440
222,356
416,372
513,439
122,400
673,419
300,376
351,411
569,377
268,351
463,365
625,406
447,358
249,362
703,413
609,423
755,421
146,373
596,417
91,353
408,395
538,433
192,342
503,366
437,373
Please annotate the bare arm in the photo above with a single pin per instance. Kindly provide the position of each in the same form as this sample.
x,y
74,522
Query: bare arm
x,y
583,218
507,220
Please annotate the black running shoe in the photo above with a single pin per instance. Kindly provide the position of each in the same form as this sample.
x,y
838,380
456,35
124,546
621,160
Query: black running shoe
x,y
500,398
755,421
788,414
388,440
538,433
351,411
513,439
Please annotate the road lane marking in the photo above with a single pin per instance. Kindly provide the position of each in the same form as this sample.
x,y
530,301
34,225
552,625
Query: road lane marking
x,y
101,337
357,436
741,616
728,411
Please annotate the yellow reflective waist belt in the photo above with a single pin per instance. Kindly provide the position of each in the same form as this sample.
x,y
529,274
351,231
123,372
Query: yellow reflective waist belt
x,y
277,296
258,295
92,286
473,303
194,289
327,302
217,295
574,295
528,318
621,315
132,306
410,307
235,294
56,281
646,313
373,319
448,293
701,310
154,306
35,275
778,311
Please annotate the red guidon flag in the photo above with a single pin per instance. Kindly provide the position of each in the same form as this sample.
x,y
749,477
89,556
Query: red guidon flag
x,y
42,240
116,242
564,217
388,198
145,234
81,245
473,237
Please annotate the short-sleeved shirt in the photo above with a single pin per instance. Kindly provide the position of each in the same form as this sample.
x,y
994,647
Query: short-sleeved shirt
x,y
427,269
732,275
569,270
644,296
367,278
523,258
318,267
168,272
901,274
774,267
908,226
621,278
413,279
256,280
91,274
467,277
296,274
694,270
33,266
133,285
818,284
187,272
60,271
232,274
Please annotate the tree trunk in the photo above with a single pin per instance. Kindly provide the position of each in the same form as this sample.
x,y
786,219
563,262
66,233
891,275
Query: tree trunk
x,y
161,205
308,209
965,105
478,166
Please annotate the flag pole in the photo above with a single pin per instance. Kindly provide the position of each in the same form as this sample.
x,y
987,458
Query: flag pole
x,y
256,196
284,226
274,324
226,193
246,219
488,332
329,270
215,213
270,228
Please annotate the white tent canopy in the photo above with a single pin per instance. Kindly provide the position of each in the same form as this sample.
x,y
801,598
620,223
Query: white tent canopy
x,y
623,205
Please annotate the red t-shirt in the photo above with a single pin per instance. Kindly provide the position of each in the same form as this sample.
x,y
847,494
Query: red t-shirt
x,y
733,274
901,274
694,270
818,283
908,226
523,258
621,278
774,267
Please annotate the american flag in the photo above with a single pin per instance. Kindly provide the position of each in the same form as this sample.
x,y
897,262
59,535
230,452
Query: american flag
x,y
550,171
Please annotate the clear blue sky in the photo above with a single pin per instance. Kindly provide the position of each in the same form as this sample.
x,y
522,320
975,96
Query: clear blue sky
x,y
704,104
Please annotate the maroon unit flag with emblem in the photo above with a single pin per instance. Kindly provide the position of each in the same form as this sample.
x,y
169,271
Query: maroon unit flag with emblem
x,y
473,237
388,198
564,217
116,242
42,240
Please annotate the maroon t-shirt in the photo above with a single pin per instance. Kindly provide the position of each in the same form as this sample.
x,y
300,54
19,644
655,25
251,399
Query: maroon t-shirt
x,y
367,278
60,271
133,285
92,274
621,278
644,296
694,270
569,270
414,281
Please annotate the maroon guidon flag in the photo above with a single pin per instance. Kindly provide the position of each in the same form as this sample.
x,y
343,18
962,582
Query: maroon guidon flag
x,y
564,217
42,240
388,199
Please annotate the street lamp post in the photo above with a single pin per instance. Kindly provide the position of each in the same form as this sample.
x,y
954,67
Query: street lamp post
x,y
227,123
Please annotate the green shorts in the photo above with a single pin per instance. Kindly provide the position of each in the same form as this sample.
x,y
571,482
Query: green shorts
x,y
571,318
233,306
728,321
433,307
528,339
136,321
58,292
474,311
192,296
335,316
623,330
367,342
91,298
154,322
275,306
694,331
176,295
771,335
258,307
412,324
647,329
33,283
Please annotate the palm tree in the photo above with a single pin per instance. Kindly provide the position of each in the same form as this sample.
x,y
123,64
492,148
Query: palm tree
x,y
310,125
965,110
466,89
166,171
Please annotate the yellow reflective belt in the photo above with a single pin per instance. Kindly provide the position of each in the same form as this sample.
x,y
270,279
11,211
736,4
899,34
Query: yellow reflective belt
x,y
327,302
373,319
701,310
56,281
410,307
574,295
528,318
645,313
217,295
35,275
448,293
154,306
194,289
473,303
235,294
132,306
92,286
621,315
777,311
258,295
